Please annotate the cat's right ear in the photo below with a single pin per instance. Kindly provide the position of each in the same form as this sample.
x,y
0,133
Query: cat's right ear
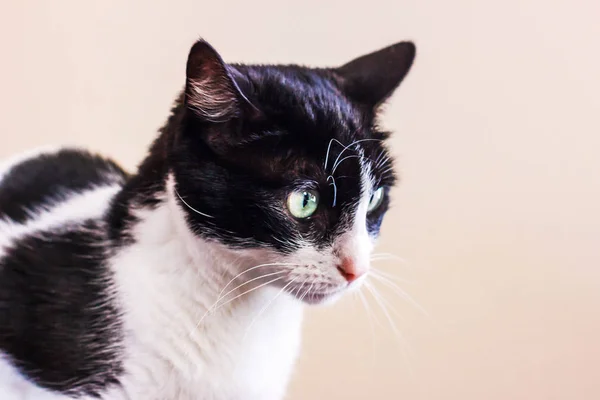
x,y
210,91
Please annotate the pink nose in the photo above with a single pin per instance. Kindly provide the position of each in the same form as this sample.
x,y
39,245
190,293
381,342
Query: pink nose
x,y
348,270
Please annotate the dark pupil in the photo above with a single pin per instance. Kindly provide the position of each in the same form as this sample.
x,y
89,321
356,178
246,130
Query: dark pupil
x,y
306,199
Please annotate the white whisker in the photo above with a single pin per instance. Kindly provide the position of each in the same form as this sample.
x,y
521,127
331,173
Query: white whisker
x,y
382,275
251,269
213,308
335,166
307,291
387,256
328,149
248,291
190,207
334,189
300,288
286,243
247,282
370,317
382,304
387,308
350,145
401,293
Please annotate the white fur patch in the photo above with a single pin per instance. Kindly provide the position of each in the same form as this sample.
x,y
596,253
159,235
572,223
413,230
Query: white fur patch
x,y
358,243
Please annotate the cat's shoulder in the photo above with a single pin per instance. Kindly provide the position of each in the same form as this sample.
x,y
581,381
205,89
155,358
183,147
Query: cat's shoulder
x,y
40,179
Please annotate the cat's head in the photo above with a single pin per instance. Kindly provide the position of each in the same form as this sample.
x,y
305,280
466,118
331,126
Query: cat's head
x,y
286,166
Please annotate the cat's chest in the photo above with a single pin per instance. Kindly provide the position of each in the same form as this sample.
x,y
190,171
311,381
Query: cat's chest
x,y
174,349
247,365
248,358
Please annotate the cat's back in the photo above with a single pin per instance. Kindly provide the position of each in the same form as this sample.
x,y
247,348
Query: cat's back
x,y
54,304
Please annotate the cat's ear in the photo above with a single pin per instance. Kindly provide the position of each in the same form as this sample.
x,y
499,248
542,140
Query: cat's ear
x,y
372,78
211,92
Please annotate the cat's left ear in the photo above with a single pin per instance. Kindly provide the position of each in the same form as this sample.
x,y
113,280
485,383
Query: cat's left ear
x,y
211,91
372,78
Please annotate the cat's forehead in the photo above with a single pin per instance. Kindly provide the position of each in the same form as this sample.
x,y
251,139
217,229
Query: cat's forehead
x,y
304,100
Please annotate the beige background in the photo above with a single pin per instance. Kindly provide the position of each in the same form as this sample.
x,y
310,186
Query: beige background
x,y
498,137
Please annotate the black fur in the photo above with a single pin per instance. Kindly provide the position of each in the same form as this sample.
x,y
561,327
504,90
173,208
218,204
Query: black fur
x,y
235,150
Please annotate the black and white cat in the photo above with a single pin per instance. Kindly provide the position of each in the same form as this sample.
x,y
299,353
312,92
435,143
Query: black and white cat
x,y
265,189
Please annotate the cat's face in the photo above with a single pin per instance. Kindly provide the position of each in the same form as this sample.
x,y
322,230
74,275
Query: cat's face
x,y
286,166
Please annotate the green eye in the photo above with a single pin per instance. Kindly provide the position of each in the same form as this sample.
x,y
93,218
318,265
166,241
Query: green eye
x,y
376,200
302,204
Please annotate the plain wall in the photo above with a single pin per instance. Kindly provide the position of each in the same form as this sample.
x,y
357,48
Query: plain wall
x,y
498,142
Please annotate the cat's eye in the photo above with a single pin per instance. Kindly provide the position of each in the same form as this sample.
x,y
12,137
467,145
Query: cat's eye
x,y
303,203
376,200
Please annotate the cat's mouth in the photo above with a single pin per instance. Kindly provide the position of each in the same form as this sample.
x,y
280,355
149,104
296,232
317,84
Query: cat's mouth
x,y
316,295
322,297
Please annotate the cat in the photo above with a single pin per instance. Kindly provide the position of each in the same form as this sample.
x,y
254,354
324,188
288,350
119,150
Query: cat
x,y
264,190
